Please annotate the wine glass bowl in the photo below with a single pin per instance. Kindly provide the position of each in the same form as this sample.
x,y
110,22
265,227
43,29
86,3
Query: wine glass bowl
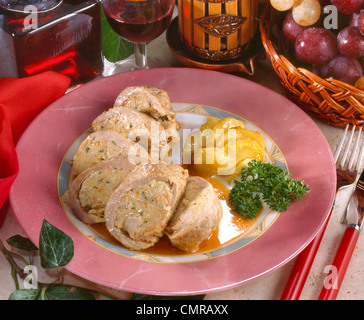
x,y
139,22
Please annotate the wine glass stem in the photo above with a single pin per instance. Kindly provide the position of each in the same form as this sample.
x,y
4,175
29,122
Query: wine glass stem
x,y
140,55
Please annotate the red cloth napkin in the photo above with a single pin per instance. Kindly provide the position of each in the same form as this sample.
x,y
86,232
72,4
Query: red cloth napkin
x,y
21,100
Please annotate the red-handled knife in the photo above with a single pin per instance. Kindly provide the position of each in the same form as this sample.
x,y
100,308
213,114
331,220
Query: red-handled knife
x,y
354,221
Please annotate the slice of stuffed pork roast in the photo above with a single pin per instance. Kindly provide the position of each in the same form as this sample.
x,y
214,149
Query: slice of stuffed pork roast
x,y
139,210
103,145
198,214
136,126
91,189
153,102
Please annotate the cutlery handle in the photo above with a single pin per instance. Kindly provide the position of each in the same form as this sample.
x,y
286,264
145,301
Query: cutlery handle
x,y
302,267
341,262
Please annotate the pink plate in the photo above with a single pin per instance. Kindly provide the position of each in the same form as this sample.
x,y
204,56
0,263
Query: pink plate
x,y
41,150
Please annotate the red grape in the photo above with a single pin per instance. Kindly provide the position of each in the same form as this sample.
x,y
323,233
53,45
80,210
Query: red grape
x,y
320,70
316,45
348,6
291,28
344,69
350,42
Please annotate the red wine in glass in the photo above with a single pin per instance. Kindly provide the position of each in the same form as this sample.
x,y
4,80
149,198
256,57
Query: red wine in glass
x,y
139,21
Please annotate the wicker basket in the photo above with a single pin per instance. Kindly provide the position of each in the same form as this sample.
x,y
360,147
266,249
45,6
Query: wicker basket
x,y
335,102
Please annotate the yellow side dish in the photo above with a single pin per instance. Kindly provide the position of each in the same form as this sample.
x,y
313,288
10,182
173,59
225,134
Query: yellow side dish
x,y
222,147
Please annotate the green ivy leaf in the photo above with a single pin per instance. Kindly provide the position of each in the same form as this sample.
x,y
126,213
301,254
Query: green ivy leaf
x,y
55,247
21,243
25,294
67,292
114,47
54,292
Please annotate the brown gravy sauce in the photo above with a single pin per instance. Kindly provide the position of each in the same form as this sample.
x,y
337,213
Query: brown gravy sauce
x,y
231,227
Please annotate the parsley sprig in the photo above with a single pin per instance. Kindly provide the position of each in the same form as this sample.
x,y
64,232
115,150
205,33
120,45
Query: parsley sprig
x,y
265,182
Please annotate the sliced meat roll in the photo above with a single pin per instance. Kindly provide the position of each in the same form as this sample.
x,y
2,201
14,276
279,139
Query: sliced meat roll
x,y
136,126
103,145
91,189
154,102
149,100
139,210
198,214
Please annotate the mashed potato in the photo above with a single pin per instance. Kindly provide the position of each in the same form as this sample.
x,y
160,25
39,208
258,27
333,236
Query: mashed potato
x,y
223,147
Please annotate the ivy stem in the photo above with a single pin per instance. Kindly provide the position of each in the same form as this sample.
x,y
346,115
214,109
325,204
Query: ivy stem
x,y
14,275
8,255
42,293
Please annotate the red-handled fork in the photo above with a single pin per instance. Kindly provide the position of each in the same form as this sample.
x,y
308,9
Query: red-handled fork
x,y
354,220
346,176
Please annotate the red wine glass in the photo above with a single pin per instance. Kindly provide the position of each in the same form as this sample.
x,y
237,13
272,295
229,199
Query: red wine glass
x,y
139,22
